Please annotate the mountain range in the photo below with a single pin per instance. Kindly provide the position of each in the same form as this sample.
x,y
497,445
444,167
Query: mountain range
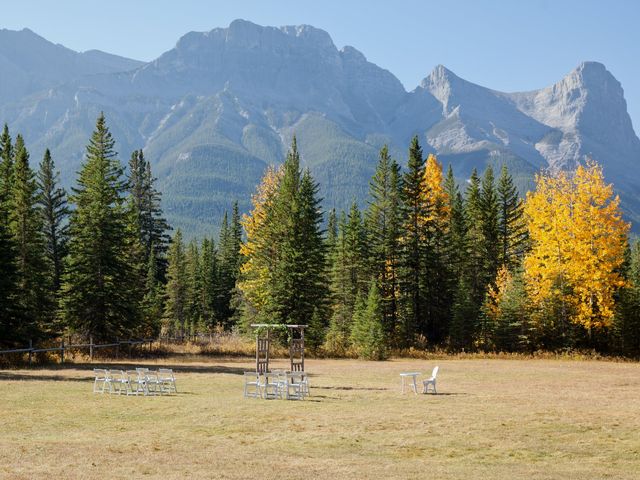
x,y
215,110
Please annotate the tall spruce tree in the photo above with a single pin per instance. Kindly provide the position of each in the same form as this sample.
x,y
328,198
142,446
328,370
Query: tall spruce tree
x,y
229,263
383,236
100,286
413,298
297,283
471,286
194,289
512,228
146,199
25,220
53,204
176,304
209,281
9,318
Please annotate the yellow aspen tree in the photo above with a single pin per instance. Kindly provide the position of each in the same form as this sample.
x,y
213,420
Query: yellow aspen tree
x,y
434,196
578,240
255,270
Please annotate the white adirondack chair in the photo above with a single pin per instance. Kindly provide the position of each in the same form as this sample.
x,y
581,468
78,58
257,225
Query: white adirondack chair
x,y
431,381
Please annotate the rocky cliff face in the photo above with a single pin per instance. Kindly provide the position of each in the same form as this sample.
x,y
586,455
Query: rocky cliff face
x,y
215,110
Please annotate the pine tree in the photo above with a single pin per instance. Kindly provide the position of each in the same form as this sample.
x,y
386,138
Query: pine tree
x,y
455,236
146,199
229,263
153,301
194,288
626,324
367,333
412,243
489,215
9,312
176,313
297,282
53,204
470,289
209,281
26,227
512,228
100,287
383,236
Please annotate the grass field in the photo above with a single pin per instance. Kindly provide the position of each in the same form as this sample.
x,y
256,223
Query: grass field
x,y
502,419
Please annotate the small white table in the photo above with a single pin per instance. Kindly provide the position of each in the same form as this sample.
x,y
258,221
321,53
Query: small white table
x,y
413,375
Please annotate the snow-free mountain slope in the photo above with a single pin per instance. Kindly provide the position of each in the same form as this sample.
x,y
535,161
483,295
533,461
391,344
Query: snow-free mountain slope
x,y
215,110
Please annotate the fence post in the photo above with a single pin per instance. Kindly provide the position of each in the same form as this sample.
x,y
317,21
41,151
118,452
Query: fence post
x,y
62,351
91,348
30,352
117,347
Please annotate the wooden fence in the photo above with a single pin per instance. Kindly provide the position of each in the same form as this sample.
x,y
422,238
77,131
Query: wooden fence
x,y
117,344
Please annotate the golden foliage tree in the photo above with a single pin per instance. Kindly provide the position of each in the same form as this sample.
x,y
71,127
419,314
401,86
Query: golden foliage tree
x,y
578,241
257,250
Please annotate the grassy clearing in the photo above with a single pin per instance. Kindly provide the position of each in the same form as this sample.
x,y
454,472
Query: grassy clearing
x,y
515,419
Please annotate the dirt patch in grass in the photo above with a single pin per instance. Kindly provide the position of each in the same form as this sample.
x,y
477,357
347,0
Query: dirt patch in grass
x,y
516,419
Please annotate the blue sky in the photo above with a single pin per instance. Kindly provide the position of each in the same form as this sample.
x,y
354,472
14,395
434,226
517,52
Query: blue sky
x,y
507,45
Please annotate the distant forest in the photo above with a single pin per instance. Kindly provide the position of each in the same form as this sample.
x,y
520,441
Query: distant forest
x,y
428,264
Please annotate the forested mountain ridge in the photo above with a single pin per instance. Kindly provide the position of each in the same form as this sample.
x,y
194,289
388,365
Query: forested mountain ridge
x,y
214,111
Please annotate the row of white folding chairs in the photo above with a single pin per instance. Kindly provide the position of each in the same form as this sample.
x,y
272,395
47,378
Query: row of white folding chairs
x,y
276,384
134,382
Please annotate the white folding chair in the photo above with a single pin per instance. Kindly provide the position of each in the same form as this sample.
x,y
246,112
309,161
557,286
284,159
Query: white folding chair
x,y
293,388
101,380
431,381
269,385
153,383
167,380
119,381
252,386
137,382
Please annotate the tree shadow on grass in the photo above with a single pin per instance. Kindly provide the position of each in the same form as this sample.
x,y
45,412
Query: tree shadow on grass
x,y
45,373
352,388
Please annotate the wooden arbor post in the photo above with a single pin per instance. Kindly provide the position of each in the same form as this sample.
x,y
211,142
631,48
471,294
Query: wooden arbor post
x,y
296,348
263,346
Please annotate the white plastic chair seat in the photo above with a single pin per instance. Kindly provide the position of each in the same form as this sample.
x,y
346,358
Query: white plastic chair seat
x,y
431,381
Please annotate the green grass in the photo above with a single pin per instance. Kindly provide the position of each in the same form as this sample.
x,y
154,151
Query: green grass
x,y
515,419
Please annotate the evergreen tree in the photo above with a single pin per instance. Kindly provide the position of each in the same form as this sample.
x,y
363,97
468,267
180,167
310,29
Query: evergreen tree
x,y
512,228
412,252
100,286
9,320
153,301
489,215
194,288
367,333
470,290
383,236
229,264
209,282
7,156
53,204
297,283
26,227
146,199
455,236
176,313
626,325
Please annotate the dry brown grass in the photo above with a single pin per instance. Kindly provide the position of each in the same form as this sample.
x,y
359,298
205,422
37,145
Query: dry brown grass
x,y
502,419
